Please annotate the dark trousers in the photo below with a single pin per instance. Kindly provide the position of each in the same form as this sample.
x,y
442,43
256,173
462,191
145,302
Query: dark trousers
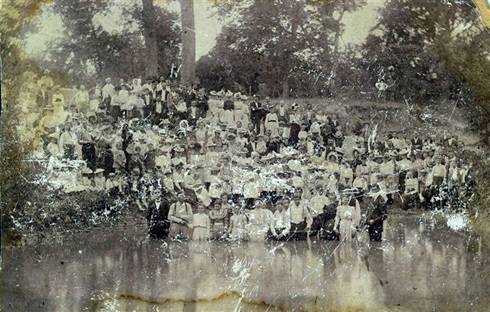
x,y
115,112
256,123
376,232
69,151
159,229
88,154
298,231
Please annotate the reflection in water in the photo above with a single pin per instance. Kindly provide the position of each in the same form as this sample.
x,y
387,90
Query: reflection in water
x,y
417,268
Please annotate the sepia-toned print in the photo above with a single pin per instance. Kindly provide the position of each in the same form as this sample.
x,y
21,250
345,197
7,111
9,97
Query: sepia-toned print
x,y
245,155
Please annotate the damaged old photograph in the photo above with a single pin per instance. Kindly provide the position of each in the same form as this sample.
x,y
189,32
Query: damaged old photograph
x,y
245,155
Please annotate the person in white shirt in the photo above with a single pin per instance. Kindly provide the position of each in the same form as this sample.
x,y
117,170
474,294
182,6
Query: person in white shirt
x,y
260,222
238,223
201,224
348,217
282,221
108,92
82,100
180,216
439,172
67,142
346,174
124,102
251,190
411,194
272,124
299,214
219,218
316,206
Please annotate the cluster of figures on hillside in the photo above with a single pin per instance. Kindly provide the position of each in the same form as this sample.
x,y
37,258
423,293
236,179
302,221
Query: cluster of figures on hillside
x,y
223,165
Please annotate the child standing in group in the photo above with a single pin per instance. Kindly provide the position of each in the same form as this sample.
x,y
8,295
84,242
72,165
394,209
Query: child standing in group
x,y
201,224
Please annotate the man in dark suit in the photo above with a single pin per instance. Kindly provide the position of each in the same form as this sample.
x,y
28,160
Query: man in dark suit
x,y
375,218
158,224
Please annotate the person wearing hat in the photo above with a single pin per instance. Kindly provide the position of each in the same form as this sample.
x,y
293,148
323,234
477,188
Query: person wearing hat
x,y
272,123
180,217
157,216
346,174
251,190
332,164
201,224
89,155
387,171
411,194
81,99
119,157
260,222
439,172
282,221
202,194
107,160
257,114
108,93
316,207
227,114
376,214
58,101
347,217
178,177
219,218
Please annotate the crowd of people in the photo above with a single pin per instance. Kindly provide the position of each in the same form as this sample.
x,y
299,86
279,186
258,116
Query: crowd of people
x,y
223,165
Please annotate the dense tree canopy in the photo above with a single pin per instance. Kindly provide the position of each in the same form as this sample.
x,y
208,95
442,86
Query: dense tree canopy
x,y
146,45
269,42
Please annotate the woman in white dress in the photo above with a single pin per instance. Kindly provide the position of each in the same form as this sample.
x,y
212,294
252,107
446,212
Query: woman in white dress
x,y
347,218
201,225
238,222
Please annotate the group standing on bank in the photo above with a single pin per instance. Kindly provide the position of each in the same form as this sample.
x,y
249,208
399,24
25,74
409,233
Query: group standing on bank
x,y
223,165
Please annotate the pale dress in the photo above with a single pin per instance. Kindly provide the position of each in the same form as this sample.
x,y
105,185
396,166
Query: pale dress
x,y
347,219
201,226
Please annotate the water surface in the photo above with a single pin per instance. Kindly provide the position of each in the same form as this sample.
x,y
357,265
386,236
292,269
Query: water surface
x,y
418,267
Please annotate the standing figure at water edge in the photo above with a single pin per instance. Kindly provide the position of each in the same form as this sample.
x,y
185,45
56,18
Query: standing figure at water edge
x,y
348,216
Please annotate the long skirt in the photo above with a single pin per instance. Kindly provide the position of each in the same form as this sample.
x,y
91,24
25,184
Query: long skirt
x,y
346,230
200,234
218,231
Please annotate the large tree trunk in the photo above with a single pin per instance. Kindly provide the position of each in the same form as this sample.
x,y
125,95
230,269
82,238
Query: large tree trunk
x,y
285,89
149,32
188,69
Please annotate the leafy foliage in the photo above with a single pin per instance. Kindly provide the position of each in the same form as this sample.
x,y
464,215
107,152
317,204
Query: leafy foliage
x,y
269,42
88,48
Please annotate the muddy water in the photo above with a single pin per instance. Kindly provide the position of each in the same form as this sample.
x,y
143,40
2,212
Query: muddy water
x,y
418,267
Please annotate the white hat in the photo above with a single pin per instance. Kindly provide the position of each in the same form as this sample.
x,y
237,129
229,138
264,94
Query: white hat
x,y
86,171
